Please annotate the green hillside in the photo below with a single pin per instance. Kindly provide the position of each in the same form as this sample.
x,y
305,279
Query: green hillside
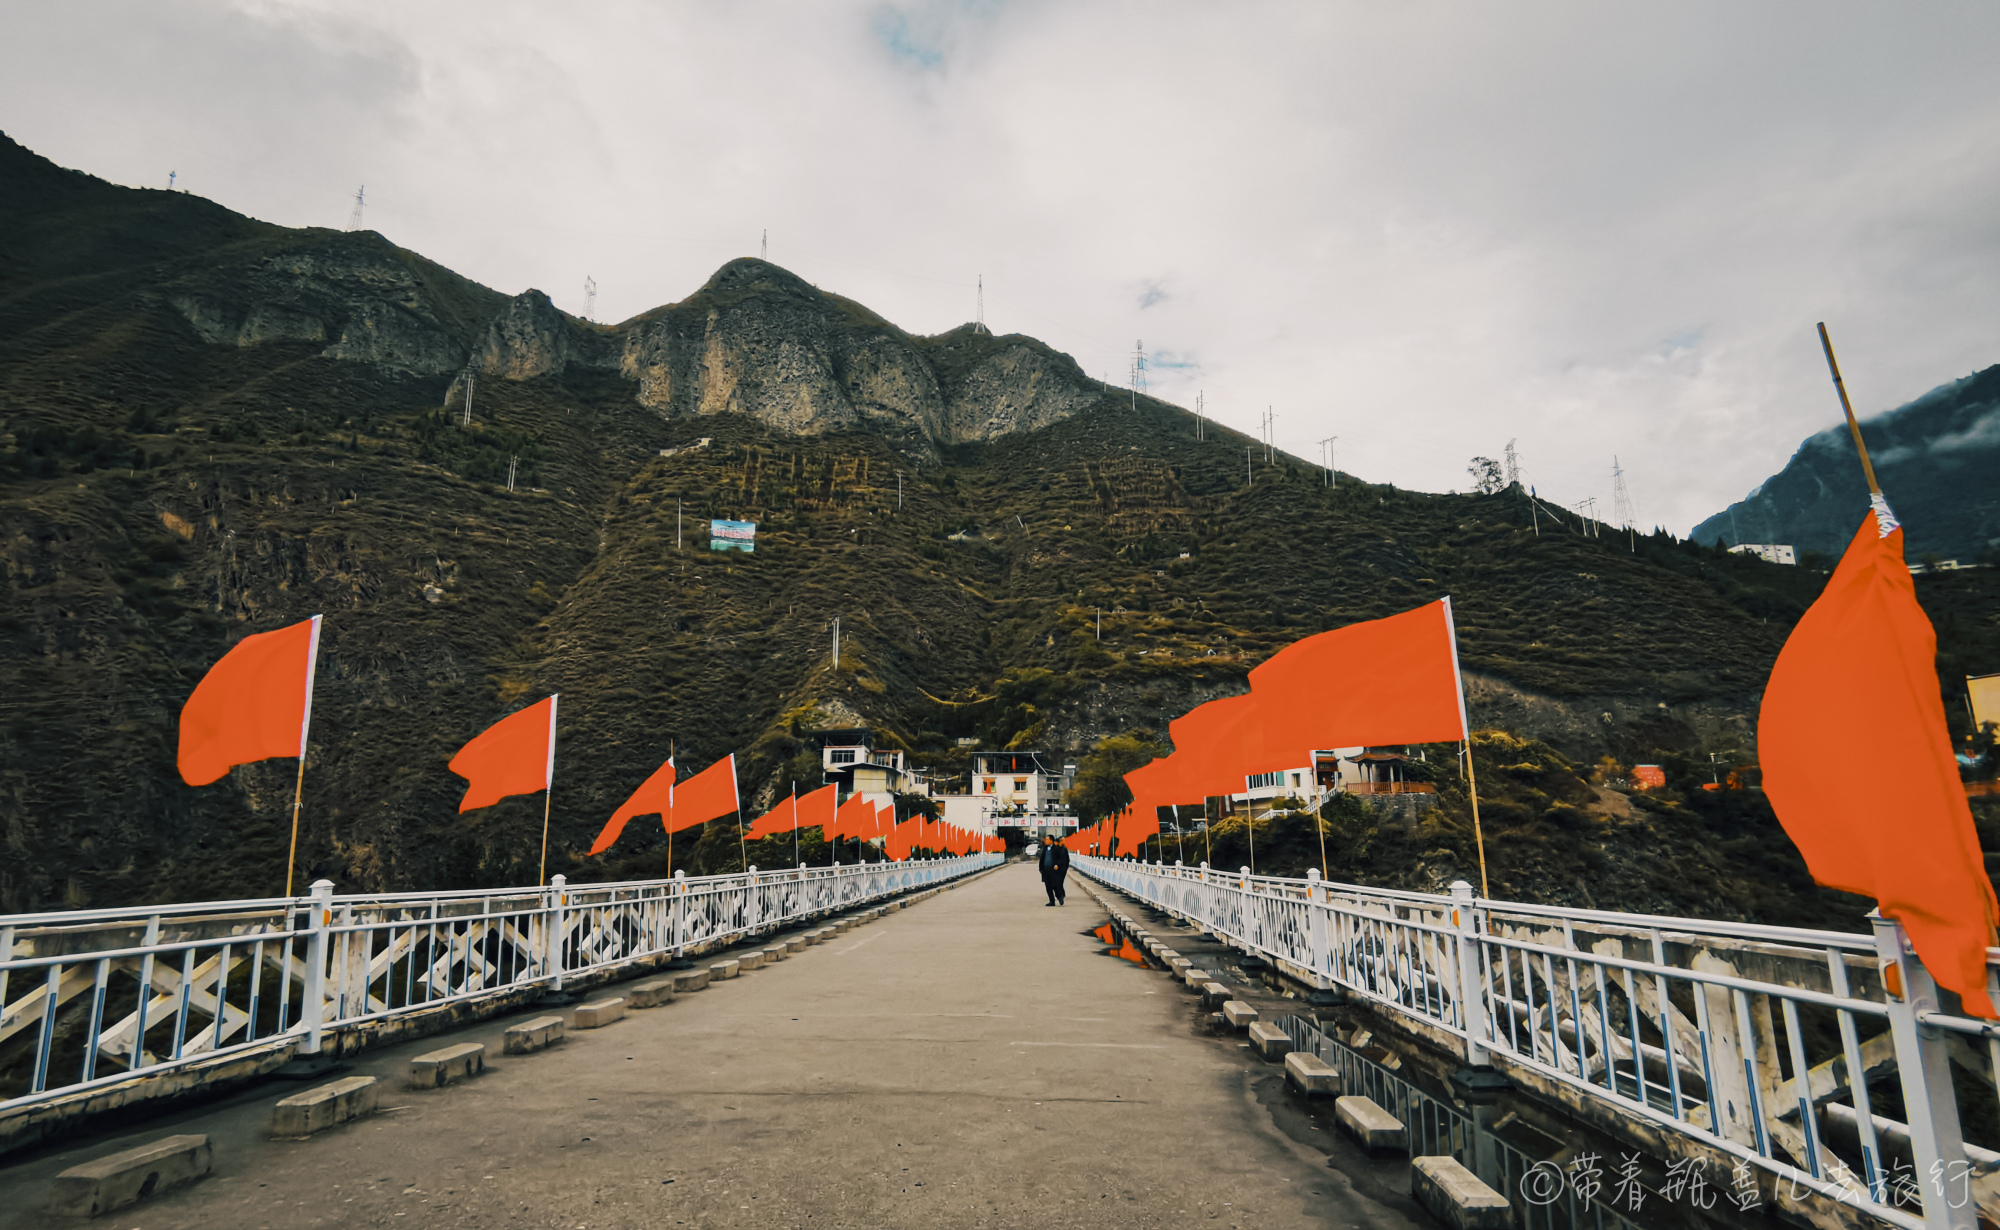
x,y
210,426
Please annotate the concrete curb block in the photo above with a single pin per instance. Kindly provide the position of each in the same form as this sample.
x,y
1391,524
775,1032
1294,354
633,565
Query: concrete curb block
x,y
1312,1076
1238,1014
1214,995
690,980
650,994
1456,1196
723,970
531,1036
1269,1041
775,953
316,1110
1375,1129
436,1069
796,944
598,1013
1195,978
131,1176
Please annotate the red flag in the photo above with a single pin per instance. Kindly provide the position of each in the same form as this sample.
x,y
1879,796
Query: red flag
x,y
855,818
705,796
903,842
1392,680
252,705
1861,669
654,797
780,819
817,808
515,755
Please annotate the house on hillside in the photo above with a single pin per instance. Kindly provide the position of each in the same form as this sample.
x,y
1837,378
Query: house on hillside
x,y
849,758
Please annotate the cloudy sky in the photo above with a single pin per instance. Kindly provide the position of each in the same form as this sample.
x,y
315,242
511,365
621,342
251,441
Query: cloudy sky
x,y
1597,228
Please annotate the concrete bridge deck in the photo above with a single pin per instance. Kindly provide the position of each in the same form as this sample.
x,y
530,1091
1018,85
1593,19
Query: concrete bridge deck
x,y
977,1060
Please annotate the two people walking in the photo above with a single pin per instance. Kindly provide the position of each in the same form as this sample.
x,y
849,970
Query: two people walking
x,y
1054,864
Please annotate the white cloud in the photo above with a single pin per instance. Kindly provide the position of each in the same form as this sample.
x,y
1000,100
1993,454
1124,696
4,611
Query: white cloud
x,y
1423,228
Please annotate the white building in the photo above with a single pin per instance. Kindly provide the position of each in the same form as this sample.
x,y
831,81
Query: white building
x,y
1769,552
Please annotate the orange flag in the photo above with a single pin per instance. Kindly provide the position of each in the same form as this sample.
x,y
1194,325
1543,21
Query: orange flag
x,y
855,818
782,818
252,705
1860,669
706,796
817,808
654,797
515,755
1392,680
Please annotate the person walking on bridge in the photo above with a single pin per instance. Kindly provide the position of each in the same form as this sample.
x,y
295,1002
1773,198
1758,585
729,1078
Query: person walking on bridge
x,y
1054,863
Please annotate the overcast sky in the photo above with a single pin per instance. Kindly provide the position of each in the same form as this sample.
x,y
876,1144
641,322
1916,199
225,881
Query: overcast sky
x,y
1595,228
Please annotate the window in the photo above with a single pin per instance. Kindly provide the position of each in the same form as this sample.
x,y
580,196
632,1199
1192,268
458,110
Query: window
x,y
986,785
1295,781
843,755
1259,781
1020,785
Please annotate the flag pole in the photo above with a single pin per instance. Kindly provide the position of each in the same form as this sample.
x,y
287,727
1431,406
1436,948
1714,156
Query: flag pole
x,y
1320,824
305,728
548,792
1471,774
667,821
795,823
1847,408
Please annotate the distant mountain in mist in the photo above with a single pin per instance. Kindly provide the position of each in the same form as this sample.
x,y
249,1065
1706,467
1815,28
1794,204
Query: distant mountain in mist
x,y
1937,458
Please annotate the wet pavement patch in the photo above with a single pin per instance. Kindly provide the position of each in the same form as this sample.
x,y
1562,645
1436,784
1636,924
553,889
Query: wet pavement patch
x,y
1117,945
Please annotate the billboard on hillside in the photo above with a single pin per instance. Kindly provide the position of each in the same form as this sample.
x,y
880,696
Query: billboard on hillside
x,y
732,535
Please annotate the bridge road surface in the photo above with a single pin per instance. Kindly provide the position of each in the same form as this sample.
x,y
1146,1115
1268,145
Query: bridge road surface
x,y
975,1060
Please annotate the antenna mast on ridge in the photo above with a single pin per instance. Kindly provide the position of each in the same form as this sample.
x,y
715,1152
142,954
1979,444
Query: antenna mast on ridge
x,y
589,297
980,305
360,200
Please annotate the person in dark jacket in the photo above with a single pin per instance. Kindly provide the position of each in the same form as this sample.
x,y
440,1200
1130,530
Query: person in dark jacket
x,y
1054,863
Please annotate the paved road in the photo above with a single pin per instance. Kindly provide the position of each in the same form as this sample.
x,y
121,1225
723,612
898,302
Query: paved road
x,y
976,1060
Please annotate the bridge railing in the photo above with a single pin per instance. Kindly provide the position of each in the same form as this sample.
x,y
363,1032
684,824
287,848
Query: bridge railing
x,y
93,1000
1733,1043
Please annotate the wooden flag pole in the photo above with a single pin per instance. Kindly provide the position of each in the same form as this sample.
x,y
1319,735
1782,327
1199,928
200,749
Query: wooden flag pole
x,y
1319,823
299,788
1478,836
298,798
1847,408
549,792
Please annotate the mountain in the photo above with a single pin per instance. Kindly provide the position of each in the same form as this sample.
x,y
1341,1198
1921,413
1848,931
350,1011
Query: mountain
x,y
1937,460
211,426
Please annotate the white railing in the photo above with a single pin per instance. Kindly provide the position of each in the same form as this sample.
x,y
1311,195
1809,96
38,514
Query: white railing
x,y
92,999
1735,1038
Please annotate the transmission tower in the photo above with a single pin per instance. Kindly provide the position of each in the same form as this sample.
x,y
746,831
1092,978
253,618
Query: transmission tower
x,y
1513,465
470,378
1587,509
360,200
980,305
1138,371
1326,450
1200,408
171,176
589,297
1621,499
764,246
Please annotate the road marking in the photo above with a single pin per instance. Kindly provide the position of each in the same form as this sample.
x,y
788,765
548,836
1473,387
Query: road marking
x,y
841,952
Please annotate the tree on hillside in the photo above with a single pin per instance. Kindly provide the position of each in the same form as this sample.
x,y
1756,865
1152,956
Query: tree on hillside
x,y
1486,476
1099,789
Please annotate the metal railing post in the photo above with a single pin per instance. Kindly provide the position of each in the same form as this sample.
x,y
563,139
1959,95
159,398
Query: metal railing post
x,y
1923,1069
680,913
1471,1000
1316,923
312,1007
753,913
558,928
